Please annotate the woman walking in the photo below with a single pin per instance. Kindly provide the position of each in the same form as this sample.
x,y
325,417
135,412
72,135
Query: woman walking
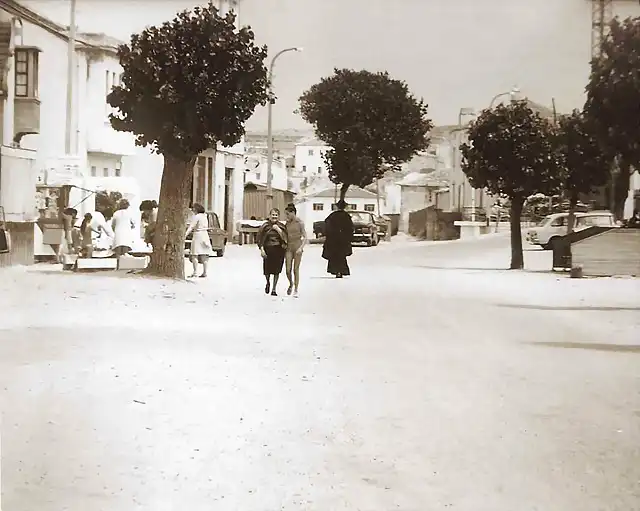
x,y
201,248
123,227
296,240
337,244
272,241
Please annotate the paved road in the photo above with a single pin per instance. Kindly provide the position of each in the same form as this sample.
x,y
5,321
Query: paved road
x,y
418,383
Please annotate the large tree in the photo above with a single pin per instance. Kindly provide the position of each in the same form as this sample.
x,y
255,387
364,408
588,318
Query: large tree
x,y
371,122
187,85
585,164
613,102
511,152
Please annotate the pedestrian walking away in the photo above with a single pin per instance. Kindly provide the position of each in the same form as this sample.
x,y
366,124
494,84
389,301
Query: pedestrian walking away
x,y
296,240
337,243
201,248
272,242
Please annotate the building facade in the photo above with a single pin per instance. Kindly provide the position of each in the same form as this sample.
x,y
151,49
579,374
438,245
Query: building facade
x,y
34,55
309,158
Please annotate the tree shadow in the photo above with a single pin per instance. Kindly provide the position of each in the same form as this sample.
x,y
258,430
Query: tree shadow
x,y
494,269
616,348
567,308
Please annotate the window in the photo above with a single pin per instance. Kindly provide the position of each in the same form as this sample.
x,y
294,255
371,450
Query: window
x,y
319,170
118,171
370,207
559,222
105,172
304,168
107,83
318,206
26,72
352,206
94,172
310,152
258,175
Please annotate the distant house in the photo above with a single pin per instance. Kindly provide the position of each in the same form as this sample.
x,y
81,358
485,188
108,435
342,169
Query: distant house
x,y
419,190
309,158
319,205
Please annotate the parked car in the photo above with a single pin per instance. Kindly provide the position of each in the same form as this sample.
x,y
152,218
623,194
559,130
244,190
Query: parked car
x,y
217,235
365,228
383,224
554,226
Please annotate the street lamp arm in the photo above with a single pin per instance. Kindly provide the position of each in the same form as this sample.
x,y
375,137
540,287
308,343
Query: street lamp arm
x,y
273,60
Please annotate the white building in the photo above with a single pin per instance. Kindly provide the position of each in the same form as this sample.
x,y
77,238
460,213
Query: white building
x,y
318,206
255,171
33,55
309,158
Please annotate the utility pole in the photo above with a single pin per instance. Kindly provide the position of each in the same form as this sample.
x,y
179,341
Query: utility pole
x,y
378,195
71,54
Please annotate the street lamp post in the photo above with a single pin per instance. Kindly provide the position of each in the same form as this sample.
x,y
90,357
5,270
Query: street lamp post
x,y
270,130
71,54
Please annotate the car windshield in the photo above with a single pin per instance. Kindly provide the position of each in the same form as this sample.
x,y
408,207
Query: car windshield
x,y
357,216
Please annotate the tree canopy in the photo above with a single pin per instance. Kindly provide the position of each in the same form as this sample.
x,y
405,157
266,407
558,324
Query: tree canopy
x,y
371,121
512,152
613,91
584,161
190,83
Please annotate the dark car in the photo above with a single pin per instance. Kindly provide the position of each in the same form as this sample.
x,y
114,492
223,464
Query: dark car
x,y
365,228
217,235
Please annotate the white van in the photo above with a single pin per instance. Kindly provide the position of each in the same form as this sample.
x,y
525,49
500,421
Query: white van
x,y
554,226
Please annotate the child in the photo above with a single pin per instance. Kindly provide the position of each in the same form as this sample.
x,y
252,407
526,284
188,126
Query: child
x,y
86,231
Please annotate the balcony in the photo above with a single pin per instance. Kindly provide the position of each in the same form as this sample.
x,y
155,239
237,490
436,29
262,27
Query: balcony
x,y
27,117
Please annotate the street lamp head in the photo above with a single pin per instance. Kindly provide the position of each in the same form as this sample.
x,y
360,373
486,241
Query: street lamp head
x,y
299,48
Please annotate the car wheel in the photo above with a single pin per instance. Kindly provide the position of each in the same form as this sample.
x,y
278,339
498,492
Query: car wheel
x,y
376,240
370,242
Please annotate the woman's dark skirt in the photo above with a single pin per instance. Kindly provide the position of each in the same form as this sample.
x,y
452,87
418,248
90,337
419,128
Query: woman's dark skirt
x,y
338,265
273,263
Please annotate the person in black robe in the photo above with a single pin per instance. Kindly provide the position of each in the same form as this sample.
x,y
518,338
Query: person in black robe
x,y
338,228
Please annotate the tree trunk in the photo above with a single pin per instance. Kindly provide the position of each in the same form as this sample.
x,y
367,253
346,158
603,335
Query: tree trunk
x,y
167,259
517,257
571,221
621,183
343,190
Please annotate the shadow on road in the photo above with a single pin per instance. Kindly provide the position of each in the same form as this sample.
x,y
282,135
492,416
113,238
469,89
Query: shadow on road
x,y
460,268
616,348
574,308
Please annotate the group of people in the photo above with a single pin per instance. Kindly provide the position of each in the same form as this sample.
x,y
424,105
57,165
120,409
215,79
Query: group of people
x,y
282,243
119,231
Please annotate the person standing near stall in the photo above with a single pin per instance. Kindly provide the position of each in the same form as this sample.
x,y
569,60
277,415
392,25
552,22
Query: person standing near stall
x,y
272,241
123,227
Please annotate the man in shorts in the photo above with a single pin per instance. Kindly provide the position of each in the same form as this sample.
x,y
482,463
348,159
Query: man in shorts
x,y
297,239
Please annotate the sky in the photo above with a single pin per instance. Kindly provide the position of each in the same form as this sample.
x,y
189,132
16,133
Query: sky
x,y
453,53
